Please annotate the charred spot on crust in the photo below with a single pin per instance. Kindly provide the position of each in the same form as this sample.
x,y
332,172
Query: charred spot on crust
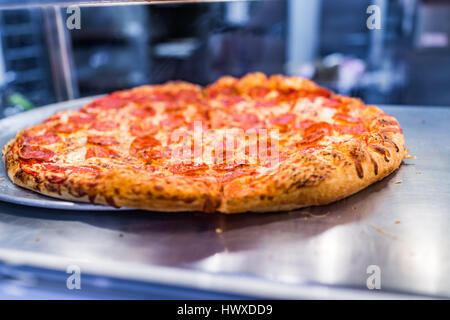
x,y
389,122
19,175
159,187
383,122
383,151
6,162
375,165
357,155
111,202
300,184
337,158
92,198
210,205
320,172
135,191
56,188
91,185
357,152
387,139
359,168
189,200
55,179
81,192
397,149
77,191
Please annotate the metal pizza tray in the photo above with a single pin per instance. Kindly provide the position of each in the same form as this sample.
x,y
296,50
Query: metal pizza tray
x,y
398,226
10,192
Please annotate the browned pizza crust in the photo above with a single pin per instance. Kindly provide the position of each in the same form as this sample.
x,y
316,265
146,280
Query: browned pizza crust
x,y
304,179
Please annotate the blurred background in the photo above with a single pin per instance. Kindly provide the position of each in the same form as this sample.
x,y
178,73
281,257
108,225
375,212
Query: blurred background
x,y
406,61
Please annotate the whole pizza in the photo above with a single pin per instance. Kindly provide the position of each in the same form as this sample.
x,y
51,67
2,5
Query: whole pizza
x,y
256,143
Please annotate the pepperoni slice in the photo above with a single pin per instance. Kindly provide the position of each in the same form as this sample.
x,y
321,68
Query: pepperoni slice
x,y
331,103
316,132
143,112
162,96
153,154
258,92
266,104
150,155
313,137
52,167
214,92
322,126
322,92
190,169
232,100
303,124
287,95
174,106
102,140
35,152
139,97
100,152
67,127
229,176
250,118
144,148
43,139
346,118
283,119
27,166
103,125
109,102
187,95
144,143
90,153
55,174
313,93
226,167
82,119
172,122
84,170
140,129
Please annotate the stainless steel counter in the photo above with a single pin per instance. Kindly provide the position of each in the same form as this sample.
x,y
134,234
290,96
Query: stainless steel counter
x,y
401,224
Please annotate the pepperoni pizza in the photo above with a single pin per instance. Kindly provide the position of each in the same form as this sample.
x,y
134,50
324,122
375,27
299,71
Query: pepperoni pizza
x,y
256,143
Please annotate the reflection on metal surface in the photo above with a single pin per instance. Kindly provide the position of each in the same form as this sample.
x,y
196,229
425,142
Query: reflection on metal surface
x,y
328,264
313,252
